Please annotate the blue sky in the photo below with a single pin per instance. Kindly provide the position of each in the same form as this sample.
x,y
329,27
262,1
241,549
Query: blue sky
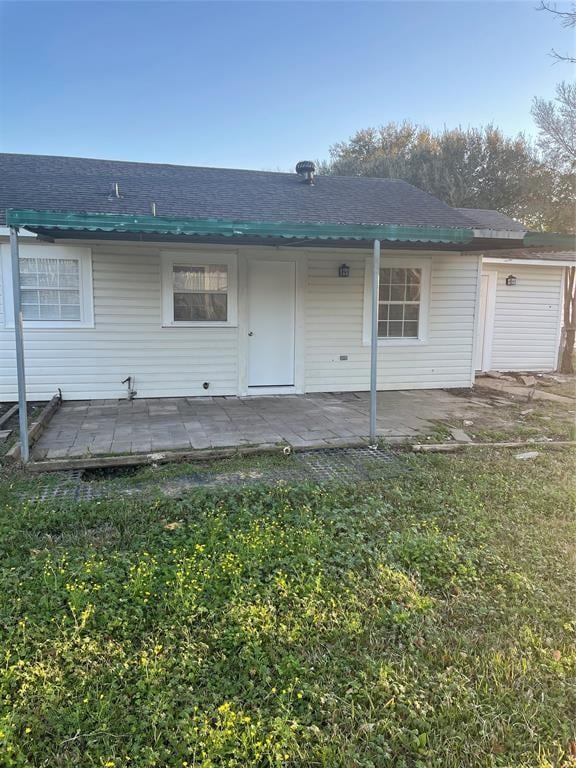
x,y
262,85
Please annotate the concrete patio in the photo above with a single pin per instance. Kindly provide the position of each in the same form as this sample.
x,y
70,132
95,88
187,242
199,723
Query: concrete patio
x,y
100,427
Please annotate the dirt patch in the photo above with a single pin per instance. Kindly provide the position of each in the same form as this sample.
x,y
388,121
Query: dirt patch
x,y
12,424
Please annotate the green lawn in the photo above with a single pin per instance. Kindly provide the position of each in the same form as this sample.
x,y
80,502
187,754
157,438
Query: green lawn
x,y
426,620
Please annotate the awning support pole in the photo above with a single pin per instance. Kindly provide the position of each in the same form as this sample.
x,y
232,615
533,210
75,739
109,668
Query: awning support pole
x,y
22,412
374,342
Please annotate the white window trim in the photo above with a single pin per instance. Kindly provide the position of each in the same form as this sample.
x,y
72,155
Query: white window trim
x,y
408,262
170,259
84,256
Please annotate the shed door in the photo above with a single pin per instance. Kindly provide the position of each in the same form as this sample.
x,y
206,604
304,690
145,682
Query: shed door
x,y
271,323
486,320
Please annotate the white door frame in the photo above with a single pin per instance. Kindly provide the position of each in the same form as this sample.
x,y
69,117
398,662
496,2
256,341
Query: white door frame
x,y
488,330
244,260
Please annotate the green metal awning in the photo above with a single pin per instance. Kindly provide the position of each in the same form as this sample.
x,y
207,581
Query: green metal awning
x,y
551,240
160,225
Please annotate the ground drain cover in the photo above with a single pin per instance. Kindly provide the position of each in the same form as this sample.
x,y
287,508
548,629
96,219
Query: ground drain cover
x,y
327,465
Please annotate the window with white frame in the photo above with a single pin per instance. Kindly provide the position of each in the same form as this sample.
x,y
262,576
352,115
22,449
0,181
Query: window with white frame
x,y
399,302
402,300
55,286
50,288
198,289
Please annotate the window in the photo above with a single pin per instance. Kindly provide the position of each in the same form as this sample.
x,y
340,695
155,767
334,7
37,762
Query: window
x,y
55,286
198,289
399,302
50,288
402,300
200,293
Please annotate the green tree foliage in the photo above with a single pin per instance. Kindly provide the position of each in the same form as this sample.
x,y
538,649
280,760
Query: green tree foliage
x,y
468,168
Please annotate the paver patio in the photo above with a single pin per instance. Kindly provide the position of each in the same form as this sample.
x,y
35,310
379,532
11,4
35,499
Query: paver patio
x,y
100,427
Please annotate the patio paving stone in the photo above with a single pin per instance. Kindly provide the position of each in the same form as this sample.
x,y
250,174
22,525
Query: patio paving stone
x,y
315,420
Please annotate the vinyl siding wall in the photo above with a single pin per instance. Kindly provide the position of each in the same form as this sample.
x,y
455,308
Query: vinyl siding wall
x,y
527,318
334,324
128,340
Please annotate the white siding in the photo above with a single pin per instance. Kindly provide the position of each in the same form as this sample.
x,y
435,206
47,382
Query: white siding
x,y
526,318
127,340
334,318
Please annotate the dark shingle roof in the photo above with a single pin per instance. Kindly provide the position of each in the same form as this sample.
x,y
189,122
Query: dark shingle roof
x,y
486,219
81,185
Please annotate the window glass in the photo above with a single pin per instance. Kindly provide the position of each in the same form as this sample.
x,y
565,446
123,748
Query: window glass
x,y
200,293
399,304
50,289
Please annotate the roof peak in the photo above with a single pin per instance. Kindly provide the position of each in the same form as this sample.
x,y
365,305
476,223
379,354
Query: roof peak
x,y
153,164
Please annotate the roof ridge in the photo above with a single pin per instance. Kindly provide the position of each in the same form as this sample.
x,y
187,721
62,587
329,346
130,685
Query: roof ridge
x,y
198,167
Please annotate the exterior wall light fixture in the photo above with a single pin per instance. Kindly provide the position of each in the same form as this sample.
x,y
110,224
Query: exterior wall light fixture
x,y
343,270
511,280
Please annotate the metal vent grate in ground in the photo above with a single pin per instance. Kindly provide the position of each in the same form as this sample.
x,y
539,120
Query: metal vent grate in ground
x,y
322,466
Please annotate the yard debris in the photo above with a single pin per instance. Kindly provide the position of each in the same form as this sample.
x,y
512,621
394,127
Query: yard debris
x,y
527,455
553,379
5,434
528,381
498,375
526,411
460,436
8,415
452,447
173,526
519,390
467,422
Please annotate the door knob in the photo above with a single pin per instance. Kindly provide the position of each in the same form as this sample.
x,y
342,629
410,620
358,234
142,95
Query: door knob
x,y
250,333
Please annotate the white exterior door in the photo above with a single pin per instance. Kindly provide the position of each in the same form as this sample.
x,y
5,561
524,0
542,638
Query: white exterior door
x,y
271,323
486,320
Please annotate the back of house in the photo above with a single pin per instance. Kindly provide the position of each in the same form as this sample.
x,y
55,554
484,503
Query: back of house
x,y
183,281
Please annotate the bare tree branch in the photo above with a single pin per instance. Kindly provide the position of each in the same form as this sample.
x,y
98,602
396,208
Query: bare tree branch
x,y
556,121
567,19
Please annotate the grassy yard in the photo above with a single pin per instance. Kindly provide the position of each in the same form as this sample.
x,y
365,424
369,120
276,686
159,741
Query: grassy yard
x,y
422,621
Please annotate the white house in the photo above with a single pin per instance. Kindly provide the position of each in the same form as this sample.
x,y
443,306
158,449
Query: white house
x,y
181,281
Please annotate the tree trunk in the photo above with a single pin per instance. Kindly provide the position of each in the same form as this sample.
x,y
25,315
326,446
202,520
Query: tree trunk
x,y
567,359
567,363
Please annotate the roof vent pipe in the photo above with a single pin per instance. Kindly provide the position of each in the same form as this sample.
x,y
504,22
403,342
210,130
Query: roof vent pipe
x,y
115,194
307,169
